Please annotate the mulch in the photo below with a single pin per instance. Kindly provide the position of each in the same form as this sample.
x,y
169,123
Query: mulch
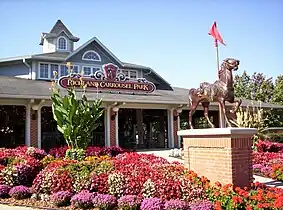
x,y
32,203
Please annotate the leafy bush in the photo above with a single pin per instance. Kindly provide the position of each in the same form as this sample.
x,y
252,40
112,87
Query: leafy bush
x,y
201,205
83,200
20,192
129,202
277,172
104,201
75,154
112,151
4,191
35,153
19,166
61,198
268,146
176,205
152,204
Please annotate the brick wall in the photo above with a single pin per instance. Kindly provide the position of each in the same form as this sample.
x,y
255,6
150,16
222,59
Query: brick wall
x,y
33,131
112,129
227,159
175,129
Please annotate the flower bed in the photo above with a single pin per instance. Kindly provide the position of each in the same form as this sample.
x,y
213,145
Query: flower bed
x,y
268,160
20,166
90,151
131,181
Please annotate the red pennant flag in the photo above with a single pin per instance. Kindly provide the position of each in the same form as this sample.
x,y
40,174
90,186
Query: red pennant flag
x,y
215,34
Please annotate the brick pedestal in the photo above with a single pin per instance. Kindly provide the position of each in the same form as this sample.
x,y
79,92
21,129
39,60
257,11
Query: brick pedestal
x,y
220,154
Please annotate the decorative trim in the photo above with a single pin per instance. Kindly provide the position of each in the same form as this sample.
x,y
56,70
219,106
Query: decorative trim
x,y
218,131
109,79
89,51
66,40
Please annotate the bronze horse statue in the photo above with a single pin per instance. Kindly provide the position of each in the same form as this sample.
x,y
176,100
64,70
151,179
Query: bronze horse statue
x,y
220,91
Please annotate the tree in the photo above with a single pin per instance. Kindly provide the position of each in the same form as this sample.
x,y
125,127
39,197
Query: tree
x,y
260,88
278,90
242,86
256,87
76,118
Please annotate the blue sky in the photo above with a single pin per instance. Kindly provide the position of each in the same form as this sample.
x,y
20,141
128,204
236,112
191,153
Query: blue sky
x,y
169,36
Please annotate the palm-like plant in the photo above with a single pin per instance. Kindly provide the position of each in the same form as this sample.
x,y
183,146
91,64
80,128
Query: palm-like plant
x,y
76,118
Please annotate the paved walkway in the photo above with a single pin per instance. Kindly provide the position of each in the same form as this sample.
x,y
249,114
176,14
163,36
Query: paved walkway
x,y
14,207
266,181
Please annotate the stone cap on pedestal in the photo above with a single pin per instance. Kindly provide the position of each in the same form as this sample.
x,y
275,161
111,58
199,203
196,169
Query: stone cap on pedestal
x,y
217,131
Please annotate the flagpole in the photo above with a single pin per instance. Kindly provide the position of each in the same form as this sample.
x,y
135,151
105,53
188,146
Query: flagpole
x,y
221,117
217,56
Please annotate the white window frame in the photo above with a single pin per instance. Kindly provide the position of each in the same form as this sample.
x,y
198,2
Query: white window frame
x,y
65,41
86,59
49,70
39,64
91,69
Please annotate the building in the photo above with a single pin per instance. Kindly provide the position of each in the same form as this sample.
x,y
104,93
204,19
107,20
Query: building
x,y
141,109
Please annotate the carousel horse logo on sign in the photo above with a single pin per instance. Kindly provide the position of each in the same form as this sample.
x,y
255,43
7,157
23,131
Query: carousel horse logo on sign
x,y
110,78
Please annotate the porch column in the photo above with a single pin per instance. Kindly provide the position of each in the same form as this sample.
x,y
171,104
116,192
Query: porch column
x,y
139,116
28,119
170,115
176,127
39,127
116,129
107,126
33,128
112,127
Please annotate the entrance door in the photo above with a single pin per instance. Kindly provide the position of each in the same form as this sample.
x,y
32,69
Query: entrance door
x,y
127,128
12,126
51,137
142,129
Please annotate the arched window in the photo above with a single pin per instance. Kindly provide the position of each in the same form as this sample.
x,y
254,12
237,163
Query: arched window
x,y
91,56
62,43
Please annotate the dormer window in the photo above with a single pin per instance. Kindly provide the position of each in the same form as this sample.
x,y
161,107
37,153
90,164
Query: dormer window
x,y
91,56
62,43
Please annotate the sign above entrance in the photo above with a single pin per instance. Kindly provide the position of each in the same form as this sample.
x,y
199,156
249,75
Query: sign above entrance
x,y
110,78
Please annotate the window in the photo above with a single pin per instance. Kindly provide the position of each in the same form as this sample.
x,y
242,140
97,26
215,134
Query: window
x,y
95,69
62,43
87,71
44,71
90,70
53,68
91,56
63,70
76,69
126,73
132,74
